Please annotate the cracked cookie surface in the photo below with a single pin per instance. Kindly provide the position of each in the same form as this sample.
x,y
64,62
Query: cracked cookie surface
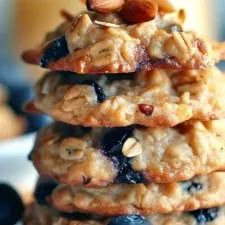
x,y
151,98
96,157
86,45
118,199
42,215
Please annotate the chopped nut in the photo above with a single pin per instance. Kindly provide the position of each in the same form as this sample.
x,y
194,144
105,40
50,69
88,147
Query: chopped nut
x,y
146,109
104,6
131,148
186,97
105,24
139,11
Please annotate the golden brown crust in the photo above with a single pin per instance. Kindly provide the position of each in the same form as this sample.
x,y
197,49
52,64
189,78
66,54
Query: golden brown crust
x,y
175,98
166,154
124,49
140,198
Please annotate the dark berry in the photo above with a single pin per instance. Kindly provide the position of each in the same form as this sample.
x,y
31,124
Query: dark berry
x,y
127,175
98,90
111,146
43,189
203,216
76,216
11,205
129,220
113,140
55,50
192,186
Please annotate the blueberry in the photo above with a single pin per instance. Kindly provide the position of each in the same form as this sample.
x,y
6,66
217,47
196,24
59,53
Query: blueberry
x,y
98,90
76,216
127,175
113,140
192,186
111,146
203,216
43,189
11,205
55,50
129,220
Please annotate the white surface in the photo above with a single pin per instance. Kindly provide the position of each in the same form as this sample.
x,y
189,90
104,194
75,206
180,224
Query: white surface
x,y
15,168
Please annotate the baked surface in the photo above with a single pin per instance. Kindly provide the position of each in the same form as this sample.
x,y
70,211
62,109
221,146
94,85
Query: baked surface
x,y
99,156
199,192
150,98
40,215
87,45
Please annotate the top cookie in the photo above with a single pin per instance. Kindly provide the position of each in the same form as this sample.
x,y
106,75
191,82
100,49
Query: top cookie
x,y
93,43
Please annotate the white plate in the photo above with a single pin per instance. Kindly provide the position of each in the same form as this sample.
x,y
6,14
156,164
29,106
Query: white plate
x,y
15,169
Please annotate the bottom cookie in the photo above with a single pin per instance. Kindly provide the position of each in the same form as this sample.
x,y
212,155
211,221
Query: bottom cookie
x,y
42,215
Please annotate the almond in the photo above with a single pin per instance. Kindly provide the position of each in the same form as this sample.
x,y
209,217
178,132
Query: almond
x,y
139,11
104,6
105,24
165,5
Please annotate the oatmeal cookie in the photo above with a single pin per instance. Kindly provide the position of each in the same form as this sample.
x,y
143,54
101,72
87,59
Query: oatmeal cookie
x,y
118,199
12,125
99,156
36,215
89,46
151,98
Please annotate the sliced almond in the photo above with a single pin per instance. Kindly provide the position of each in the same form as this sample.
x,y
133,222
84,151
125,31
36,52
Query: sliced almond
x,y
105,24
138,11
165,5
104,6
131,148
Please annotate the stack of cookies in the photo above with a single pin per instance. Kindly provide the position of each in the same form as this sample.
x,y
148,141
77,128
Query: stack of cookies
x,y
140,131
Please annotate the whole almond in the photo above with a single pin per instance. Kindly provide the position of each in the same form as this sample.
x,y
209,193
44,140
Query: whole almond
x,y
165,5
104,6
138,11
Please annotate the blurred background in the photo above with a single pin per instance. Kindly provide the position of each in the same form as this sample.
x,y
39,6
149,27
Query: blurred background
x,y
23,24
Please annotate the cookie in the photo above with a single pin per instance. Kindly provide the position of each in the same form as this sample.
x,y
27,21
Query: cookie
x,y
89,46
118,199
150,98
12,124
45,215
99,156
36,215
